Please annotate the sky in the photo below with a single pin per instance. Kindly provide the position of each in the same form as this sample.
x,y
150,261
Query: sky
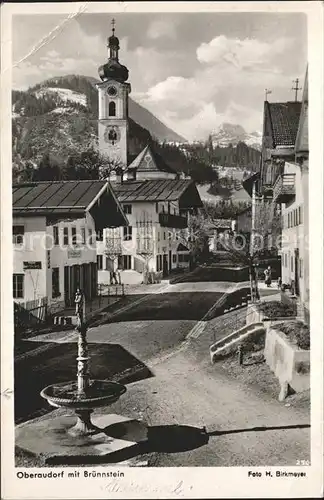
x,y
193,71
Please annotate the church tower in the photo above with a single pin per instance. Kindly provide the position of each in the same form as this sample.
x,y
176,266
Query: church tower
x,y
113,93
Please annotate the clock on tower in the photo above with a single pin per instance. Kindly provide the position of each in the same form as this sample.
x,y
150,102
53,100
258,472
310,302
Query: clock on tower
x,y
113,93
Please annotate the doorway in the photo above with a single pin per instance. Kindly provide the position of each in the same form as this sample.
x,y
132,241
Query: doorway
x,y
165,265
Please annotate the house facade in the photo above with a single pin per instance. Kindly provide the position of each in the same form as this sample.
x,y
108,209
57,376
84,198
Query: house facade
x,y
155,241
291,187
157,202
282,185
54,238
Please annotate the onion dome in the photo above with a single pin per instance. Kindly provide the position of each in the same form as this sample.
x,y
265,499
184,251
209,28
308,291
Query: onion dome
x,y
113,68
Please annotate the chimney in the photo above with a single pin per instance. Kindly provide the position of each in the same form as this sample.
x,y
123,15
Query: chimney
x,y
131,174
119,175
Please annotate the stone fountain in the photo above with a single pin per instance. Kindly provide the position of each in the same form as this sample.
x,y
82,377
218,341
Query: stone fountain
x,y
83,395
64,439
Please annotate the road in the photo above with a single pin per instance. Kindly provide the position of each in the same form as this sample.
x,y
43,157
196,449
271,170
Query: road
x,y
172,385
145,326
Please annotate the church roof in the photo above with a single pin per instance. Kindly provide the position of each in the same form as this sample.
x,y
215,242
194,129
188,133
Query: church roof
x,y
284,120
149,160
157,190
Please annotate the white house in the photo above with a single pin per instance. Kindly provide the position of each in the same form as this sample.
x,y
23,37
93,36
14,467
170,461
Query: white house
x,y
155,239
54,238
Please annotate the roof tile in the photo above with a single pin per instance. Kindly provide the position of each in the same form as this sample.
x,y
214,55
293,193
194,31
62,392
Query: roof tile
x,y
284,118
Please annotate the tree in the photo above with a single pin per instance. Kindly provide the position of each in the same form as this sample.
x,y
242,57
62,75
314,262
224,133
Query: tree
x,y
195,237
48,169
84,165
264,240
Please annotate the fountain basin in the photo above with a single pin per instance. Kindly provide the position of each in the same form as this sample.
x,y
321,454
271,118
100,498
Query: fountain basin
x,y
98,393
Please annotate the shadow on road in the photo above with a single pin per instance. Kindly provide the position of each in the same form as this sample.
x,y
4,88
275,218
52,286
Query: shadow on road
x,y
53,363
166,306
158,439
260,429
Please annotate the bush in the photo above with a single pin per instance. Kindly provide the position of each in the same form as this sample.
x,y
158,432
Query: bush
x,y
275,309
296,332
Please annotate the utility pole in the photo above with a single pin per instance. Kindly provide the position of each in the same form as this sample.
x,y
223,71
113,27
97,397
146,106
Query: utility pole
x,y
296,88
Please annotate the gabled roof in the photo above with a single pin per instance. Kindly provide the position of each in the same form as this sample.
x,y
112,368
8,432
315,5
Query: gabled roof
x,y
248,183
182,248
284,120
153,190
64,197
150,160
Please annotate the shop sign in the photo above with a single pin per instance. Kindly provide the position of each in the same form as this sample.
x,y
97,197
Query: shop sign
x,y
74,254
32,265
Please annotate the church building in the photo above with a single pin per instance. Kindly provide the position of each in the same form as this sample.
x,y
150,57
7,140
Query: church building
x,y
158,203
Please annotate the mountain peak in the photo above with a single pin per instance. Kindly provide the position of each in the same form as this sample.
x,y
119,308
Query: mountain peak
x,y
230,133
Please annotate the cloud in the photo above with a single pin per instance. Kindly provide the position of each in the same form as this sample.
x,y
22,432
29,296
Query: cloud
x,y
161,28
227,86
241,53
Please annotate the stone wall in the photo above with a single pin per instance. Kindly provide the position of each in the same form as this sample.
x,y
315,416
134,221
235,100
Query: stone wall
x,y
290,364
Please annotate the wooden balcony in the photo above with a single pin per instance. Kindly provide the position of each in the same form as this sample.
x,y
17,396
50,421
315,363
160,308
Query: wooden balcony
x,y
172,220
284,188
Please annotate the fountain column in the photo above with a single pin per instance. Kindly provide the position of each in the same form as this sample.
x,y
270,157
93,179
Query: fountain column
x,y
83,425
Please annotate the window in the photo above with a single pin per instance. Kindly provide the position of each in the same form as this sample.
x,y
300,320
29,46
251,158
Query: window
x,y
55,282
83,236
56,235
65,236
18,286
99,262
157,208
18,233
99,235
90,236
126,262
128,233
174,258
164,236
112,108
183,257
74,238
127,209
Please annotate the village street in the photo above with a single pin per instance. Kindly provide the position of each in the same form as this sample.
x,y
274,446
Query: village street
x,y
159,347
